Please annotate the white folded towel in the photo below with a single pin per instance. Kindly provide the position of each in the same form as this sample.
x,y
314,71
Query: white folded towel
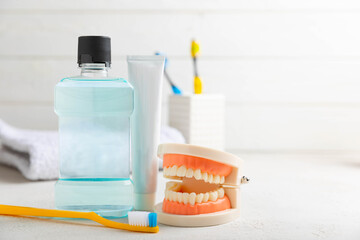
x,y
35,153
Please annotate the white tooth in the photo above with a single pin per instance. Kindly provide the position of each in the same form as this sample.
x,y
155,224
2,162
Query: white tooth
x,y
168,171
179,197
164,171
205,176
167,195
213,196
217,179
197,174
170,195
181,171
199,197
221,192
206,197
210,178
174,196
189,173
192,198
184,171
173,170
222,179
185,198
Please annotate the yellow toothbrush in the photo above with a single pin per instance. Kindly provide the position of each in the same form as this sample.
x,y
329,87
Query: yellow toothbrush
x,y
138,221
195,51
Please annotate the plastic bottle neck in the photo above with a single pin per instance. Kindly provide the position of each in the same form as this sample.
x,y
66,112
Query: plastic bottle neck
x,y
94,70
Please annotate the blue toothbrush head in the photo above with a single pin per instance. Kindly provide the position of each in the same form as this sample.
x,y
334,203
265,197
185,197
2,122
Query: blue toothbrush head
x,y
176,90
152,219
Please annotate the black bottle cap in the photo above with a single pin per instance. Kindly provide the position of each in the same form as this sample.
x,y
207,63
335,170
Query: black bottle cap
x,y
94,49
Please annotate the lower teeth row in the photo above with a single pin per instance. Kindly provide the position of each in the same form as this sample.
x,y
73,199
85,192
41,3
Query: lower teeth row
x,y
193,198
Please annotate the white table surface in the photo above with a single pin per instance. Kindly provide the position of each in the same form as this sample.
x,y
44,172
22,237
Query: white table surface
x,y
289,197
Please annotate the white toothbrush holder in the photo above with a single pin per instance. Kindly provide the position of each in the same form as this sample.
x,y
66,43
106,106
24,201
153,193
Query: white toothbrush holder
x,y
200,118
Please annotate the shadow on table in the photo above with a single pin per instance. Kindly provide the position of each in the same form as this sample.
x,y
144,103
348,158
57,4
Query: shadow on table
x,y
11,175
354,164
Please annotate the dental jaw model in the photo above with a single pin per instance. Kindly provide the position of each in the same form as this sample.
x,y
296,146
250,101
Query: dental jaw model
x,y
206,187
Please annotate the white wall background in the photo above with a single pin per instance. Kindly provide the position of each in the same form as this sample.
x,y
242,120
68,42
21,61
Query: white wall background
x,y
290,69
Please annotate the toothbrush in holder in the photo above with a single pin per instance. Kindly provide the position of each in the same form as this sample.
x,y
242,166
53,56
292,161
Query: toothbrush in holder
x,y
174,88
195,51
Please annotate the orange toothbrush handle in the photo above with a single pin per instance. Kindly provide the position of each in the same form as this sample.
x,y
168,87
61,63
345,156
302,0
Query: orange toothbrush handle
x,y
39,212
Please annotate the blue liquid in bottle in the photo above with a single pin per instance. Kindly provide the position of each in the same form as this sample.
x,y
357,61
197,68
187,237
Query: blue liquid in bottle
x,y
94,130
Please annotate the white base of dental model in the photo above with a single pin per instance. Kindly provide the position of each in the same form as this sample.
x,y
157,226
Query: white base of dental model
x,y
231,186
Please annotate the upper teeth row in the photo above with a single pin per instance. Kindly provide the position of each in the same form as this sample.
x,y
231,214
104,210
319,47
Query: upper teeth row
x,y
193,198
182,171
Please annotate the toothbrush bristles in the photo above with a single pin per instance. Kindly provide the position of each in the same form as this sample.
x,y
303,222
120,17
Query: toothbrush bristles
x,y
143,219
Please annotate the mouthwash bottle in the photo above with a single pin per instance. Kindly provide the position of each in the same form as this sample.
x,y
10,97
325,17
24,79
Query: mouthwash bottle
x,y
94,129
